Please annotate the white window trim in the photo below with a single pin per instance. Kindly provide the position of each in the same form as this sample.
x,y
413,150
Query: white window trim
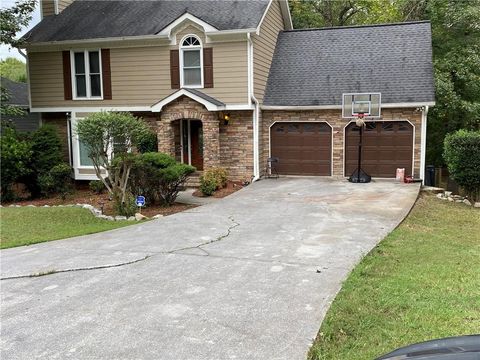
x,y
87,74
187,48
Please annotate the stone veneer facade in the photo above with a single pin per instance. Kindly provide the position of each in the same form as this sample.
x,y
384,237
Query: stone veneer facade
x,y
334,119
229,146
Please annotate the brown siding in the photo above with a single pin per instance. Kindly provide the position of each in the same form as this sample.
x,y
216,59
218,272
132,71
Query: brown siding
x,y
334,118
264,46
141,76
48,7
62,4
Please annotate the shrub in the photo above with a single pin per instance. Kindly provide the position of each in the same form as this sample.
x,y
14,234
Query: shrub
x,y
127,207
15,155
97,186
158,177
462,155
171,181
57,180
207,185
214,178
46,153
148,143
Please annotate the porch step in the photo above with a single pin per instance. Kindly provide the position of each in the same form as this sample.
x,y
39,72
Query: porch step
x,y
193,180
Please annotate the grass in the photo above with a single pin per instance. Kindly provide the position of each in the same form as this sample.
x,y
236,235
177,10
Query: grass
x,y
28,225
421,282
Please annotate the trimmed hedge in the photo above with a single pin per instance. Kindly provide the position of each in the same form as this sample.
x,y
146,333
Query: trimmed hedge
x,y
462,155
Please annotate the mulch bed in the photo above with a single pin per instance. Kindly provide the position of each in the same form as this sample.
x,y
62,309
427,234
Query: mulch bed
x,y
84,196
230,188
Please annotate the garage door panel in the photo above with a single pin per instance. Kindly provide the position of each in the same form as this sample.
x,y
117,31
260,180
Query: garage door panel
x,y
386,147
302,148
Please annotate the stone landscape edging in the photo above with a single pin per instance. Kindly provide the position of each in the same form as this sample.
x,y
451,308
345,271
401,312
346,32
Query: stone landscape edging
x,y
96,212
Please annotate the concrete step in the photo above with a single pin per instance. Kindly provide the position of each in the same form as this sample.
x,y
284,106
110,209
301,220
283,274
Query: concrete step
x,y
193,180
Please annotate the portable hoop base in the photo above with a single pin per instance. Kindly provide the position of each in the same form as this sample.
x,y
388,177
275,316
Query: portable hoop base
x,y
363,178
360,176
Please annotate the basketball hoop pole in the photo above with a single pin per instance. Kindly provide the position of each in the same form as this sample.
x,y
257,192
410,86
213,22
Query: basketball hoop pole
x,y
361,176
359,165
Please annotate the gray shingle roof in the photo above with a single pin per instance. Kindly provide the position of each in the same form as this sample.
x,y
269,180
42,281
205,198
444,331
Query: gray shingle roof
x,y
17,91
314,67
86,19
205,97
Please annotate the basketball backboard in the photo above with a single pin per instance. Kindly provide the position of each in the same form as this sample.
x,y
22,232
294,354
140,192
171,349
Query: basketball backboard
x,y
366,104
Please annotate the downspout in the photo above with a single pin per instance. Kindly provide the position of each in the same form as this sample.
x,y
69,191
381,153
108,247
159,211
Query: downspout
x,y
423,143
255,125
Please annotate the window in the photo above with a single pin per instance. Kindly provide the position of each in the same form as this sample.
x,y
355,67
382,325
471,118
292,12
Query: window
x,y
85,160
87,74
191,74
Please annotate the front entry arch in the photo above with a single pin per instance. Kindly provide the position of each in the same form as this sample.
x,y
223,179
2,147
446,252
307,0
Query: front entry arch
x,y
191,142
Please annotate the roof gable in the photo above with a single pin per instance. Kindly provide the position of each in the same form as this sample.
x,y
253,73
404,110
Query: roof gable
x,y
314,67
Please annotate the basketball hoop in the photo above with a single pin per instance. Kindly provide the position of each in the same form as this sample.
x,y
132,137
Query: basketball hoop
x,y
358,106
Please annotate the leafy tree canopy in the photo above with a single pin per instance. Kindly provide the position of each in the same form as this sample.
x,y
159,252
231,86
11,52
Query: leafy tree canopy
x,y
13,19
13,69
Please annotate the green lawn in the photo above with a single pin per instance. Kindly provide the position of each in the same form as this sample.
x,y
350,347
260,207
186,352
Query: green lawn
x,y
28,225
422,282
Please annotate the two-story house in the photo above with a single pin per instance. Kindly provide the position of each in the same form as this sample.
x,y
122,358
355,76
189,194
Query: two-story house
x,y
230,83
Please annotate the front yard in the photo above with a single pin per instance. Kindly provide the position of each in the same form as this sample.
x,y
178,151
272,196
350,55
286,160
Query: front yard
x,y
28,225
421,282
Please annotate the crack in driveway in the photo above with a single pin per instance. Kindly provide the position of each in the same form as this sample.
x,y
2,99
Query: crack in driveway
x,y
97,267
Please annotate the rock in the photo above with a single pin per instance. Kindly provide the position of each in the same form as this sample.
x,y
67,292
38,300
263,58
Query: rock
x,y
459,201
131,218
18,205
450,199
448,193
31,205
46,205
158,216
467,202
139,217
61,205
87,206
440,195
11,205
119,218
477,204
96,212
79,205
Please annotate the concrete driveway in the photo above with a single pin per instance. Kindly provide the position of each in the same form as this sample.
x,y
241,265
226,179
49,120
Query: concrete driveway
x,y
247,277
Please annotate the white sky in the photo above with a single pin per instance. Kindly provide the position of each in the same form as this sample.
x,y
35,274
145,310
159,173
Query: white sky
x,y
4,50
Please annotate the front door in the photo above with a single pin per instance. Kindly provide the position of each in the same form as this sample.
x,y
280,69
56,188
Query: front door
x,y
192,143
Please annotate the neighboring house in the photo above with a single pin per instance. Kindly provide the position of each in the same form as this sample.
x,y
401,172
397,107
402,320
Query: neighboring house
x,y
18,97
184,66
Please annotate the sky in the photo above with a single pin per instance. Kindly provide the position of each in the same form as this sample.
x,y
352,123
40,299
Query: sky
x,y
4,50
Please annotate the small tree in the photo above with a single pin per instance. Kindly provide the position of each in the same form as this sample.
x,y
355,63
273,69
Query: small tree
x,y
109,138
462,155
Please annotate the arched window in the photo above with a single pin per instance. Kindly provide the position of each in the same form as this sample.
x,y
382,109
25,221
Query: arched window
x,y
191,74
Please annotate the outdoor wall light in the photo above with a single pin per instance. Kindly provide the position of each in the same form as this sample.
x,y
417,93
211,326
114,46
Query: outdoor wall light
x,y
226,118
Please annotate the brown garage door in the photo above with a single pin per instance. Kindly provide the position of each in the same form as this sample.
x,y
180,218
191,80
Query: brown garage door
x,y
302,148
386,147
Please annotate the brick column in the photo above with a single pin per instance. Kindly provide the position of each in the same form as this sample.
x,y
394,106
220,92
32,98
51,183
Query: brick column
x,y
166,137
211,141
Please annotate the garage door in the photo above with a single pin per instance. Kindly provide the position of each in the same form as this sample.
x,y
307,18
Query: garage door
x,y
386,147
302,148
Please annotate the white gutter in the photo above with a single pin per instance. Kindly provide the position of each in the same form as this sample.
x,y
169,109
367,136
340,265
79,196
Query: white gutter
x,y
335,107
423,144
251,97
